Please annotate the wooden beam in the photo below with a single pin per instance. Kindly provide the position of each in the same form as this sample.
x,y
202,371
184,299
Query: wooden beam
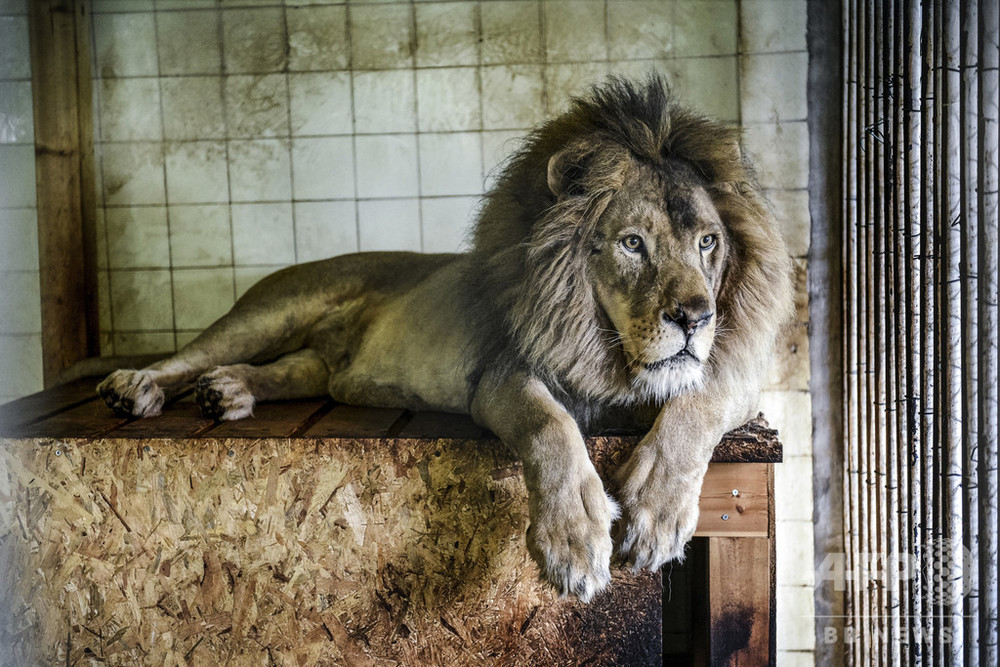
x,y
64,169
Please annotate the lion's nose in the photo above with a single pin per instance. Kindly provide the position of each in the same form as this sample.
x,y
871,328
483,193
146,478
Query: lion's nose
x,y
689,316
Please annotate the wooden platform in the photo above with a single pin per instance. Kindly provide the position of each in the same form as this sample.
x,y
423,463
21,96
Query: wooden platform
x,y
318,533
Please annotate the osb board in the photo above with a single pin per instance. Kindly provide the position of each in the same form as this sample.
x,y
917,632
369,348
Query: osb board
x,y
289,552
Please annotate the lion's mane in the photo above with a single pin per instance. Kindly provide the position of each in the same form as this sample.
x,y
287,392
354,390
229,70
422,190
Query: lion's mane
x,y
528,278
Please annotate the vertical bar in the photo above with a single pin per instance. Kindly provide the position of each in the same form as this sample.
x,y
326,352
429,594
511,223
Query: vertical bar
x,y
970,319
67,238
988,103
951,322
914,215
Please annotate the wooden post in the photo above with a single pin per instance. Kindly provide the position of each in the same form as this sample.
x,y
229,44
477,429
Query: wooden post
x,y
64,168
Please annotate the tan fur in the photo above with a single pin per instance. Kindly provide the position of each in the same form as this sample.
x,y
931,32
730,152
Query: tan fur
x,y
624,270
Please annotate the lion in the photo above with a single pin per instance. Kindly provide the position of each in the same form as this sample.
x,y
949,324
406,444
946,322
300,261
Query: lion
x,y
625,270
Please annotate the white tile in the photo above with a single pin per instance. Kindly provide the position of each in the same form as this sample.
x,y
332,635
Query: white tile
x,y
564,82
387,165
448,99
188,42
512,97
794,564
196,172
17,175
200,236
790,412
263,234
324,229
141,301
640,29
389,224
15,56
185,4
498,146
133,174
320,103
256,106
17,121
793,489
110,6
104,301
769,26
137,342
18,239
202,296
791,209
19,303
511,32
323,168
384,102
575,31
381,36
781,151
125,45
102,238
447,34
254,41
705,28
20,365
795,619
13,6
192,107
795,659
773,87
317,38
137,237
248,276
451,164
130,110
446,222
259,171
708,85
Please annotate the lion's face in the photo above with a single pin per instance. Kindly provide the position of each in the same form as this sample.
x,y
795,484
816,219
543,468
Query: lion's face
x,y
655,264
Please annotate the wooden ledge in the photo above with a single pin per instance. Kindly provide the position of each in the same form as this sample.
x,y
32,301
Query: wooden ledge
x,y
74,410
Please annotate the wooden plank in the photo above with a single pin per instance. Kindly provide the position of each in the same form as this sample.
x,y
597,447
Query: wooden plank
x,y
441,425
179,419
351,421
734,501
67,238
90,419
273,420
739,600
48,402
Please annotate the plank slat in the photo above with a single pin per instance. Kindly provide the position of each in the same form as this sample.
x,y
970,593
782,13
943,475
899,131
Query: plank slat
x,y
271,420
351,421
441,425
180,419
91,419
51,401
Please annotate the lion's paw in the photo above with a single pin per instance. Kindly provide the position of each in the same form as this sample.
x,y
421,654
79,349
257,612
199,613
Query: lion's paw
x,y
570,536
132,393
223,395
660,516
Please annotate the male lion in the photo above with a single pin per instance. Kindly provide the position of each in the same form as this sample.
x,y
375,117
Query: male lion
x,y
624,269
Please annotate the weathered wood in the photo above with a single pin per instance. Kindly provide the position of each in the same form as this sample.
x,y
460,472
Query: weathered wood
x,y
740,600
53,401
733,501
349,421
67,238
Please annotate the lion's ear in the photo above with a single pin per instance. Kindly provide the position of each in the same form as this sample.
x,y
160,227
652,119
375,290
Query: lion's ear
x,y
566,171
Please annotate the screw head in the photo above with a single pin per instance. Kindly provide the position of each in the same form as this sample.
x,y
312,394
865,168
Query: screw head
x,y
736,492
725,517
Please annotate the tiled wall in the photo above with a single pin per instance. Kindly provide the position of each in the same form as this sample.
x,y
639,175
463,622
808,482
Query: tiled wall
x,y
236,137
20,313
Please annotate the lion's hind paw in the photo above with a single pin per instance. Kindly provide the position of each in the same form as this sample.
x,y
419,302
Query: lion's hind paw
x,y
223,395
131,393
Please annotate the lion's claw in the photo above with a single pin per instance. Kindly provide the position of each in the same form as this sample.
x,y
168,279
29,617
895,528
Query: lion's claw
x,y
224,396
131,393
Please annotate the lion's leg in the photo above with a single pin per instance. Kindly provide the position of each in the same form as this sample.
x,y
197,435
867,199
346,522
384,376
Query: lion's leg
x,y
571,515
241,335
230,392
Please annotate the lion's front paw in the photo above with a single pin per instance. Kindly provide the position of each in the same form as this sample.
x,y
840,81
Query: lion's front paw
x,y
223,395
570,536
660,516
132,393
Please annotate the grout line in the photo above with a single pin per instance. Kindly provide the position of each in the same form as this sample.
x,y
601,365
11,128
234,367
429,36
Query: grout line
x,y
349,29
291,140
223,74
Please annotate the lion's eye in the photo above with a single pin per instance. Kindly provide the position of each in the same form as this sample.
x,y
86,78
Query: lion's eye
x,y
707,242
632,243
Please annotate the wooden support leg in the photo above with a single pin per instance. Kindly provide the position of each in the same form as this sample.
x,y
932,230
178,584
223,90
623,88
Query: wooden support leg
x,y
740,602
